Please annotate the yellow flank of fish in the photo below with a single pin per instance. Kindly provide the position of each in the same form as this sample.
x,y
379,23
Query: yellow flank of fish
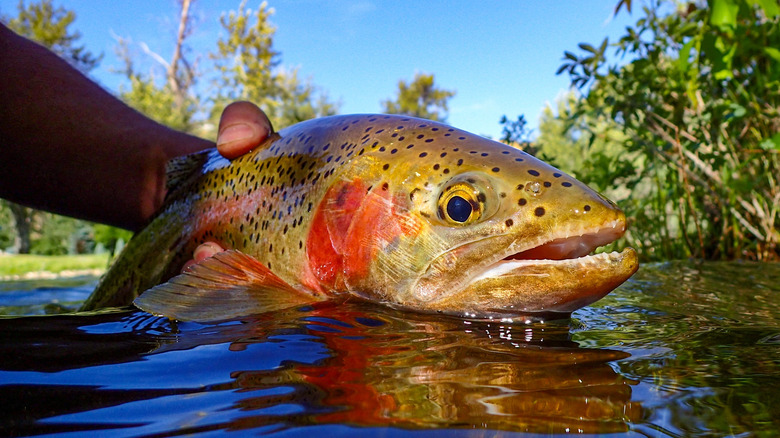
x,y
403,211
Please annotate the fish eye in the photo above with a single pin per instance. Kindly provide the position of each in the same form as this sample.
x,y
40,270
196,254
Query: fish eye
x,y
459,209
461,204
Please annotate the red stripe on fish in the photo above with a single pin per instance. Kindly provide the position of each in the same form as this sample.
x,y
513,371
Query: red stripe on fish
x,y
351,225
325,244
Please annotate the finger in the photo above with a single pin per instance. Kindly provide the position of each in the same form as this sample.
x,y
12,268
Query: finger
x,y
242,127
206,250
202,252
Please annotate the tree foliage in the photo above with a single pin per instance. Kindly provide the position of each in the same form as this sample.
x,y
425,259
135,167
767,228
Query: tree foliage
x,y
36,231
246,67
249,68
420,98
49,26
698,105
515,133
168,96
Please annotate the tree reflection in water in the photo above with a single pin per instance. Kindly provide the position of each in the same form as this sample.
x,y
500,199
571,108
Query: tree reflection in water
x,y
350,364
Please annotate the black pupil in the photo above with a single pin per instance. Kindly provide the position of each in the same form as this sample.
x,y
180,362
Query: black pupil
x,y
458,209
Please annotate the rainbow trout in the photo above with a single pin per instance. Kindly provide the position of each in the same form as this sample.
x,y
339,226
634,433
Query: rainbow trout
x,y
397,210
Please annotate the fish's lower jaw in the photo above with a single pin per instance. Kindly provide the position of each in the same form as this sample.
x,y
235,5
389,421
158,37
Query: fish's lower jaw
x,y
539,289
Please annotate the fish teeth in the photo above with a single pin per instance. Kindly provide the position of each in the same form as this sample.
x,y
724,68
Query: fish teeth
x,y
505,266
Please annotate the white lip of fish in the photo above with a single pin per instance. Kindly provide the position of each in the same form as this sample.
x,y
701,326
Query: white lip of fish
x,y
566,247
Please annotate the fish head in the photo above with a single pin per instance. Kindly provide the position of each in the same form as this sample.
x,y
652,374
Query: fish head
x,y
476,228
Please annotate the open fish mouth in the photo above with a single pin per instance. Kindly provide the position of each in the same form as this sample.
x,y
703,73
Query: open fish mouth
x,y
548,280
571,250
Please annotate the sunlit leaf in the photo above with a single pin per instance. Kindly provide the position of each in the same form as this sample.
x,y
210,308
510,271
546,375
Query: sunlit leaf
x,y
685,54
771,7
773,53
724,14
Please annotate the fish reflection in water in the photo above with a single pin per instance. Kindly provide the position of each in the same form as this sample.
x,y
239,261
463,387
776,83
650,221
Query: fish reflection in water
x,y
355,364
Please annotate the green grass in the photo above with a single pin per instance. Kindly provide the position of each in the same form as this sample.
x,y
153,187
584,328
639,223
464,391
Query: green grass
x,y
24,263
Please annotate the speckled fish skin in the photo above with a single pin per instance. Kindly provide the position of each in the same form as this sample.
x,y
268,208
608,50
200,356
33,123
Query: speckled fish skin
x,y
358,204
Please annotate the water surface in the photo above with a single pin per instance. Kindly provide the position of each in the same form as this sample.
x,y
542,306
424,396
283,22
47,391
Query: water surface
x,y
682,349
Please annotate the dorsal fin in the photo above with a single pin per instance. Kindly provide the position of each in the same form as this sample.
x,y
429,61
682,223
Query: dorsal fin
x,y
228,285
180,170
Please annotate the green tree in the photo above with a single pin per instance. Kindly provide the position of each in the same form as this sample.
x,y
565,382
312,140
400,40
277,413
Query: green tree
x,y
50,27
514,133
249,68
171,99
699,101
420,98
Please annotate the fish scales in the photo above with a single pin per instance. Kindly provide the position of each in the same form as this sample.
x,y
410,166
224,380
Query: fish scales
x,y
396,209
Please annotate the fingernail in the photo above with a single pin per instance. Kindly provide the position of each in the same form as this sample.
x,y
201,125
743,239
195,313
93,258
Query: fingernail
x,y
240,131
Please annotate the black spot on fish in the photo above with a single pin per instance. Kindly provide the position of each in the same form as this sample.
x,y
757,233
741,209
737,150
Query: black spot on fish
x,y
496,169
522,201
533,172
587,208
539,211
509,223
566,184
423,154
547,184
386,166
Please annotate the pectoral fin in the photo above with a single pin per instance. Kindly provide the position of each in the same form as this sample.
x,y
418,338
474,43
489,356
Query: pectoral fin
x,y
229,285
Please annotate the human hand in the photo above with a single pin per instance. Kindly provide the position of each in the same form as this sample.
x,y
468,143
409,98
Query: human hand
x,y
242,127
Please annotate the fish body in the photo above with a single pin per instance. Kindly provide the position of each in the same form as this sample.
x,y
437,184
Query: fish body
x,y
394,209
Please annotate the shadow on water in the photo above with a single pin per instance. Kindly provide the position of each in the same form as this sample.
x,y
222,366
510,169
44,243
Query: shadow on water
x,y
681,350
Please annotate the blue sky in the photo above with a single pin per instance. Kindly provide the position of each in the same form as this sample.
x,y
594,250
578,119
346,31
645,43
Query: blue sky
x,y
499,56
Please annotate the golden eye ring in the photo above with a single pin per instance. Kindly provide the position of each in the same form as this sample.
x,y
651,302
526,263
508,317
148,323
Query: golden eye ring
x,y
461,204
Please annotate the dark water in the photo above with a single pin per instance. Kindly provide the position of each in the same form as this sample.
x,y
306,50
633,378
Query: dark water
x,y
681,350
